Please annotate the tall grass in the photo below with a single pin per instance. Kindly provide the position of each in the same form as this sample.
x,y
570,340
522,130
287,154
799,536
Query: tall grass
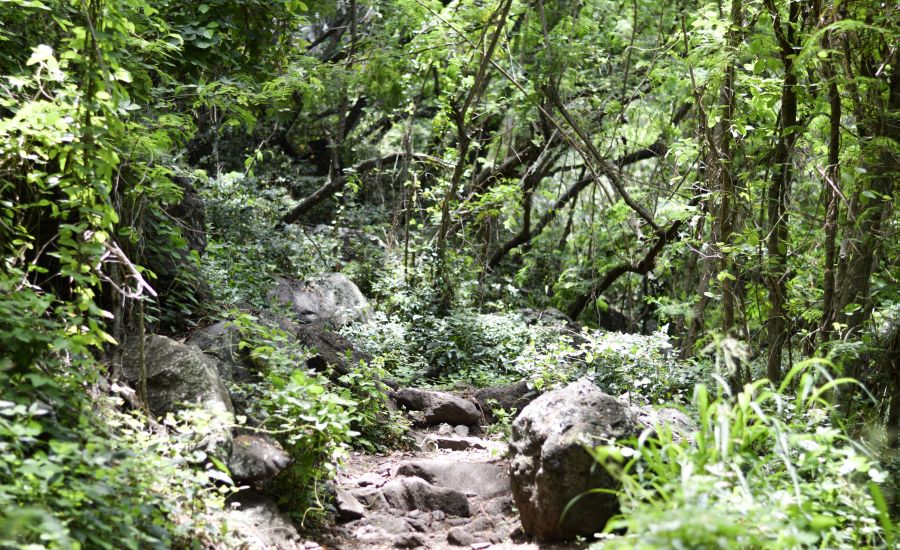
x,y
766,468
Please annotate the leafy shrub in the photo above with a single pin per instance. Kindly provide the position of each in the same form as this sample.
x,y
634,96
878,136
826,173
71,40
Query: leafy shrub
x,y
247,249
315,419
489,349
641,365
765,469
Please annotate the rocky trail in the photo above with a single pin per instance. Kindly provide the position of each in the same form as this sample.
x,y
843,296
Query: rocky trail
x,y
450,490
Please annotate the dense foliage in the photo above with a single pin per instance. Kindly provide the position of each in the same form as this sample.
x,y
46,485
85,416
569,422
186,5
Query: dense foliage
x,y
707,190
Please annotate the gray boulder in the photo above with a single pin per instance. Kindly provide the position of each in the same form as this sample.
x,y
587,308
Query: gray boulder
x,y
549,465
476,478
438,407
179,377
332,349
329,299
256,458
680,424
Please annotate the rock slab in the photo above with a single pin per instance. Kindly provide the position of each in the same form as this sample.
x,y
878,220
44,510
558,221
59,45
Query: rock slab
x,y
477,478
259,525
414,493
549,466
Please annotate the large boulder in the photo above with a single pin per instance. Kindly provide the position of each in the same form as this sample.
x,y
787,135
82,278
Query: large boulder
x,y
438,407
179,377
329,299
549,465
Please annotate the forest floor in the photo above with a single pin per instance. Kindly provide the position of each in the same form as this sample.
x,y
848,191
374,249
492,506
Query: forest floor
x,y
400,511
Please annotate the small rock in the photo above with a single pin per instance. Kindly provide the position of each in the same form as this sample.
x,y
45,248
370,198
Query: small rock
x,y
418,525
480,524
438,515
310,544
414,514
498,507
458,537
445,429
462,430
410,540
256,458
459,443
348,507
481,545
371,534
517,534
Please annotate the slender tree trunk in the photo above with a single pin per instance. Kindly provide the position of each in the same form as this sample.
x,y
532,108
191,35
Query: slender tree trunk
x,y
868,209
724,173
832,179
778,191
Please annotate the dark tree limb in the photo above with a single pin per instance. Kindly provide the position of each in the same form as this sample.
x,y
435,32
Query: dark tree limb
x,y
643,266
334,185
657,149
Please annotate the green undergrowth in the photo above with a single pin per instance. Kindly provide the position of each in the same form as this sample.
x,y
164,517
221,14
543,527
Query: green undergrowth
x,y
468,348
75,472
248,248
766,468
